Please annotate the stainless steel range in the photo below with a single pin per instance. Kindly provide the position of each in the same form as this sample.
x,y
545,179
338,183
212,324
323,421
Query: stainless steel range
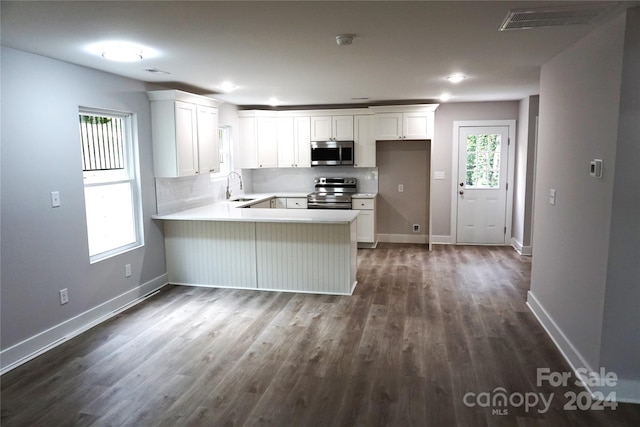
x,y
332,193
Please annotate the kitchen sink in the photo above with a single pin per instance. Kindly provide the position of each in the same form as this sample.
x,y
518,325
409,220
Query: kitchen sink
x,y
242,199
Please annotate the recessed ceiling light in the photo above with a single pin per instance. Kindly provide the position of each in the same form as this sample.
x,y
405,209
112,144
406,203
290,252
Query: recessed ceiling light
x,y
121,51
227,87
121,56
274,102
445,97
456,78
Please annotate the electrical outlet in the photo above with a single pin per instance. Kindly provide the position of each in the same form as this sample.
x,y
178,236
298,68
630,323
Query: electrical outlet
x,y
64,296
127,270
416,228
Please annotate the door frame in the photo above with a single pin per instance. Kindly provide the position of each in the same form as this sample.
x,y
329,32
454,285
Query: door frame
x,y
457,124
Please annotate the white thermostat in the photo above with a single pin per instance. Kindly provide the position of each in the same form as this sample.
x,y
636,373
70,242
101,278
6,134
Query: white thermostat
x,y
596,168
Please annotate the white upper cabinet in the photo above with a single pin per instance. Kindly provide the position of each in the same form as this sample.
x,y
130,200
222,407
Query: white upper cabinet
x,y
294,145
404,125
209,152
365,143
267,142
286,149
388,126
332,128
258,143
246,154
184,132
302,141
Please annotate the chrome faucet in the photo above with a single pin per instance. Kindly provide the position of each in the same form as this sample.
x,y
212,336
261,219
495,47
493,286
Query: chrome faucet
x,y
228,176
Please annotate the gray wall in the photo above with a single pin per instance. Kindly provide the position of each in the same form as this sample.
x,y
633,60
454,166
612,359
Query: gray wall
x,y
406,163
621,328
580,254
45,249
442,146
524,172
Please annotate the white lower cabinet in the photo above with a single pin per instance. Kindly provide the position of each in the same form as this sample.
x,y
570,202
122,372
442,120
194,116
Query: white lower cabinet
x,y
296,203
279,203
282,203
366,227
262,205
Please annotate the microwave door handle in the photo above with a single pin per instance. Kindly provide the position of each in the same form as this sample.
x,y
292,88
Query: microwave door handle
x,y
339,154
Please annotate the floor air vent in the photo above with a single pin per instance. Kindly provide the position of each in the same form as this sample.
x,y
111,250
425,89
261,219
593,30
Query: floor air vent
x,y
523,19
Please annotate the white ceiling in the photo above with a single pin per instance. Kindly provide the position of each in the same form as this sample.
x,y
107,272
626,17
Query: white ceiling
x,y
402,50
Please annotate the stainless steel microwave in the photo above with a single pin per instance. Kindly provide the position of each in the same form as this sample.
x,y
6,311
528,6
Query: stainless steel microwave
x,y
332,153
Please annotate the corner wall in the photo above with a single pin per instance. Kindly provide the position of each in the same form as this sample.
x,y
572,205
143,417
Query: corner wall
x,y
580,113
524,175
621,328
45,249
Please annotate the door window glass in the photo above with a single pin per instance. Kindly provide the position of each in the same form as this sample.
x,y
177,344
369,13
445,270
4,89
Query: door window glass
x,y
483,161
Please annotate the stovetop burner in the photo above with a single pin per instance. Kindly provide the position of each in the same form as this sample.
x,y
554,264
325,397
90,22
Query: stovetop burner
x,y
332,193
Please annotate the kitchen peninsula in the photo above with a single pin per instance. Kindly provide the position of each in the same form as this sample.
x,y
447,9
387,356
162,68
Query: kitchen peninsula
x,y
229,245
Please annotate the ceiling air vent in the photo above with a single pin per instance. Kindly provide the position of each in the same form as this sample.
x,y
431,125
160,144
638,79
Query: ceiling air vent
x,y
554,17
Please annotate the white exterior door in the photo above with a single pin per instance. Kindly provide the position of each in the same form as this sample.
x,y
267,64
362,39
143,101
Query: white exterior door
x,y
483,156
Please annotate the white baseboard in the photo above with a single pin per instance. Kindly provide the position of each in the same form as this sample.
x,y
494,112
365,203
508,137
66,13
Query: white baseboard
x,y
442,240
36,345
422,239
522,250
626,390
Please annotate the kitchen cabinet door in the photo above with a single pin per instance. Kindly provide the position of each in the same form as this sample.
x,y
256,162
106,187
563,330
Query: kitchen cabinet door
x,y
286,146
366,234
388,126
321,128
247,154
186,138
342,128
332,128
267,134
208,152
415,126
296,203
396,126
365,143
302,141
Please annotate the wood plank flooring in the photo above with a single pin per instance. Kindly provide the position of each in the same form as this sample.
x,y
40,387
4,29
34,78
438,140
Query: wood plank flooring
x,y
421,330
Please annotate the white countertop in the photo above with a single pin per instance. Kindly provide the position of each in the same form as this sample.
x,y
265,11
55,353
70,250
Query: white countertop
x,y
234,211
365,195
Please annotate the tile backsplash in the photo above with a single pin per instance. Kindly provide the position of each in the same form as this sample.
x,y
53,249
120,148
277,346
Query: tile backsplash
x,y
301,179
176,194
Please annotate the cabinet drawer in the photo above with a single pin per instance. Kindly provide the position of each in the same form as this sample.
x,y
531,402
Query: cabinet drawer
x,y
363,204
296,203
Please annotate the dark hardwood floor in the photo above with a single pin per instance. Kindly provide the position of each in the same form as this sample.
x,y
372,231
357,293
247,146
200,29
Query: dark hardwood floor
x,y
422,331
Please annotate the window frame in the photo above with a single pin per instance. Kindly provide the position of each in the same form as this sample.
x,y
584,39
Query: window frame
x,y
131,176
226,154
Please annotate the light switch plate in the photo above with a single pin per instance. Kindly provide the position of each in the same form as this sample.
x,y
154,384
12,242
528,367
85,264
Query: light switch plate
x,y
438,175
55,199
